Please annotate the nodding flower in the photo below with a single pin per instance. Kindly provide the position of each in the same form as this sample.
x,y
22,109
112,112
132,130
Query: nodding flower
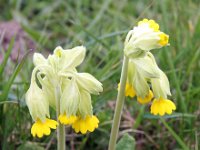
x,y
76,107
146,81
143,38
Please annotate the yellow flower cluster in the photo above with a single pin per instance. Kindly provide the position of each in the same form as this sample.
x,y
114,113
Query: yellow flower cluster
x,y
79,124
57,75
143,70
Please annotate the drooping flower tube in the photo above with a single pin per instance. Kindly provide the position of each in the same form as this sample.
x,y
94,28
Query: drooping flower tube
x,y
143,38
161,105
76,108
140,70
39,109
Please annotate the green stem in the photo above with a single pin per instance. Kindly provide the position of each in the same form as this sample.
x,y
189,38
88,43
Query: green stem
x,y
119,105
61,128
178,139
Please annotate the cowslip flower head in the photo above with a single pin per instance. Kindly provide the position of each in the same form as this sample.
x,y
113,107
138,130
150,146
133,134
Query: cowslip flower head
x,y
59,70
143,38
75,102
53,70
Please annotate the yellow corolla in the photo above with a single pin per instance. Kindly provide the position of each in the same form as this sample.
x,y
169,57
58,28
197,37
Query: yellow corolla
x,y
41,128
89,123
67,120
162,106
146,99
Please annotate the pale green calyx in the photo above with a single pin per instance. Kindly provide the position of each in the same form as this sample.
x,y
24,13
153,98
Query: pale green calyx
x,y
76,98
36,101
89,83
140,70
160,86
144,71
70,98
38,59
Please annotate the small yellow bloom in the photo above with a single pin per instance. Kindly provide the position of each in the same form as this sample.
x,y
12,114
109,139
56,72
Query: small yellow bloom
x,y
143,38
129,90
89,123
67,120
164,39
147,99
152,24
40,128
162,106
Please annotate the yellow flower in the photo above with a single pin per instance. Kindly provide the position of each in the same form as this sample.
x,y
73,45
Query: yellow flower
x,y
67,120
147,99
143,38
164,39
162,106
152,24
129,90
89,123
40,128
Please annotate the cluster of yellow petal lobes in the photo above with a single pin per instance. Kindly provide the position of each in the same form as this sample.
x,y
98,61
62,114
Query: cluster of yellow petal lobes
x,y
147,99
161,106
89,123
152,24
164,39
40,128
64,119
129,90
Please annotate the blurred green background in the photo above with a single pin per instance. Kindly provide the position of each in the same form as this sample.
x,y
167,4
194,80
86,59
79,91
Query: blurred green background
x,y
101,26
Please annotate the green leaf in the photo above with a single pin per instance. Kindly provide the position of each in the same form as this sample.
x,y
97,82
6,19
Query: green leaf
x,y
30,146
8,85
7,54
174,115
127,142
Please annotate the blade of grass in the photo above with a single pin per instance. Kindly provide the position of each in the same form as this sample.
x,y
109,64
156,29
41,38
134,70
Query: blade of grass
x,y
174,115
7,54
7,87
8,102
178,139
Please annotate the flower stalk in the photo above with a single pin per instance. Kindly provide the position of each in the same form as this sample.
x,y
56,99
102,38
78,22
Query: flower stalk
x,y
61,127
119,105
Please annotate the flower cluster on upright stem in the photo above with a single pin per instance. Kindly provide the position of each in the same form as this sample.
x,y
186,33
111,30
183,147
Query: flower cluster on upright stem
x,y
55,82
141,75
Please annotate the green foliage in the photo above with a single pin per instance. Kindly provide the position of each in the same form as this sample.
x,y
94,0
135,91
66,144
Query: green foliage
x,y
126,143
30,146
